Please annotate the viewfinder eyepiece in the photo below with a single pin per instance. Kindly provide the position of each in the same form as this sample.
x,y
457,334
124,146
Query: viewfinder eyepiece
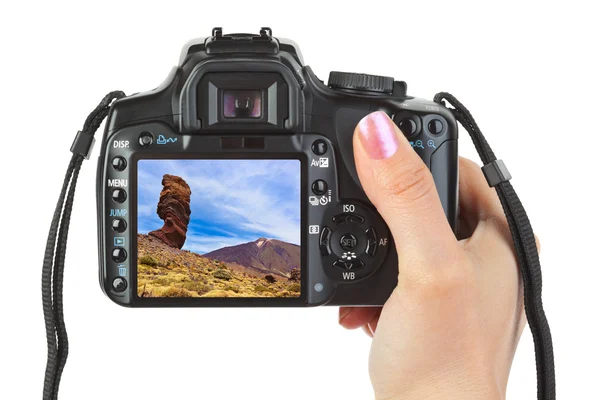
x,y
242,103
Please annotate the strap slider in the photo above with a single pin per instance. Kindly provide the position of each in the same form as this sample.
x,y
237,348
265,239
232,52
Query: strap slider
x,y
496,172
83,144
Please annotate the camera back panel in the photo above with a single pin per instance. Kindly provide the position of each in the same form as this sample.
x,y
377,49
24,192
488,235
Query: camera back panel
x,y
233,183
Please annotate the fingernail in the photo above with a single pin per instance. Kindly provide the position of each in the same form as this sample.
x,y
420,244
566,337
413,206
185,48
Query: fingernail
x,y
377,135
343,313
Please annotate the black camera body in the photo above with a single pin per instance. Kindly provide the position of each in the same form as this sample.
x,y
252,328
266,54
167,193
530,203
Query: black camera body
x,y
247,157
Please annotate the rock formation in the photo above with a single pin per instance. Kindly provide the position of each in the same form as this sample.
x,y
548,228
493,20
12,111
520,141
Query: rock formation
x,y
173,208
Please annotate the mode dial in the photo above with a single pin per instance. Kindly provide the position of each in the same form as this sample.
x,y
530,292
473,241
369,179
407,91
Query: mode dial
x,y
361,82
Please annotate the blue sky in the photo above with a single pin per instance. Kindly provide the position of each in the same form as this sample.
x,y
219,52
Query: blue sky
x,y
232,201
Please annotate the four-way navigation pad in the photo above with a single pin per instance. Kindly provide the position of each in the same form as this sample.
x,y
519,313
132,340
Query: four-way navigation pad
x,y
353,242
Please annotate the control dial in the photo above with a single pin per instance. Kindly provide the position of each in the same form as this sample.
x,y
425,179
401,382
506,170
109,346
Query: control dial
x,y
361,82
353,242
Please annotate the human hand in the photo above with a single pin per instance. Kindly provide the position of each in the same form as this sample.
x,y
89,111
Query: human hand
x,y
451,327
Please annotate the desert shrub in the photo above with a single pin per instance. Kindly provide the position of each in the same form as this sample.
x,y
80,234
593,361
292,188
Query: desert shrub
x,y
233,288
161,281
148,260
294,287
181,278
270,279
262,289
172,291
221,266
197,287
222,274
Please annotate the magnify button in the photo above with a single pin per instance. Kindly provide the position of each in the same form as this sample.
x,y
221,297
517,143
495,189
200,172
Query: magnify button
x,y
431,143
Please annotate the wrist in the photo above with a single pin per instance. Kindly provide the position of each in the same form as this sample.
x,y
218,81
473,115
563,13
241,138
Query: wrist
x,y
449,388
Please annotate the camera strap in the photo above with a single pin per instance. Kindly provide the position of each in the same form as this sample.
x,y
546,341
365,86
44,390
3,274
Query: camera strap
x,y
498,177
494,170
56,247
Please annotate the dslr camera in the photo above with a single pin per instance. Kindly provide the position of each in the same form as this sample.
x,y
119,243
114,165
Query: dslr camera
x,y
233,183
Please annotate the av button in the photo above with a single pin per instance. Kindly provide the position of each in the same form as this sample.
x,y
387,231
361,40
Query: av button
x,y
119,284
319,187
119,195
319,147
348,242
119,255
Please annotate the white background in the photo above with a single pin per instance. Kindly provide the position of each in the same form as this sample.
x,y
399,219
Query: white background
x,y
528,71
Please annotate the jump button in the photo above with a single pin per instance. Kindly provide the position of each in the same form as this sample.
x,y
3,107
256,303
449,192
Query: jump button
x,y
119,225
324,242
371,242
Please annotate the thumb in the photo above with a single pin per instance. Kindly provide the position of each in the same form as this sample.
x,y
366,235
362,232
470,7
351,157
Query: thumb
x,y
402,189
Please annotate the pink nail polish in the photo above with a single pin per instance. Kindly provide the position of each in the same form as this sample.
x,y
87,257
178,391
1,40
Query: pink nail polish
x,y
377,134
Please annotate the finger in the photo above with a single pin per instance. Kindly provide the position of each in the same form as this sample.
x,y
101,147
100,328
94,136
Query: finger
x,y
402,189
356,317
371,326
480,202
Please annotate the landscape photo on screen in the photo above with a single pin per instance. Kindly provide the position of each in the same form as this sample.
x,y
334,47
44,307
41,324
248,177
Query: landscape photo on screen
x,y
218,228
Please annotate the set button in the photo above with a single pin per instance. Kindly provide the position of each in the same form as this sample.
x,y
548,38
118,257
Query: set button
x,y
348,242
119,195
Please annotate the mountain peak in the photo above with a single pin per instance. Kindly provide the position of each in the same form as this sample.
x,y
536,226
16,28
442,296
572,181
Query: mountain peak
x,y
261,241
265,256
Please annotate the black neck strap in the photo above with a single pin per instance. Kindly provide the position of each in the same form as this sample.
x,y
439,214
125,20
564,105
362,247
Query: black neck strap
x,y
54,257
494,170
527,254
